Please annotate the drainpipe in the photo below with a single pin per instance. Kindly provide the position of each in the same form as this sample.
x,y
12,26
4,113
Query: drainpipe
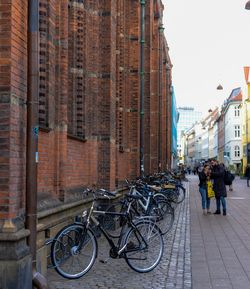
x,y
39,281
161,29
142,81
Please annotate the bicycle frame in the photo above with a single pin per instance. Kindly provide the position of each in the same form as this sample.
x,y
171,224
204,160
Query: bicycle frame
x,y
144,202
116,249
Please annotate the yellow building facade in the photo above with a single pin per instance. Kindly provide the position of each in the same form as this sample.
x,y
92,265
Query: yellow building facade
x,y
246,121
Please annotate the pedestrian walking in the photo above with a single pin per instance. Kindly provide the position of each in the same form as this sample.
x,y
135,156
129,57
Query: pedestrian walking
x,y
219,187
247,174
205,201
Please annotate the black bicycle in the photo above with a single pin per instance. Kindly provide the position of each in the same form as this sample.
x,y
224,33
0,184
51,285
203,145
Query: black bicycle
x,y
74,249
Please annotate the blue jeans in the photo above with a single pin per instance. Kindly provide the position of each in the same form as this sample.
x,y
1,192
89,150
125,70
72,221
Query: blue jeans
x,y
205,201
221,200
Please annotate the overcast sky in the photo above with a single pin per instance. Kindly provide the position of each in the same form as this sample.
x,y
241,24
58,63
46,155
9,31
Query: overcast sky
x,y
209,44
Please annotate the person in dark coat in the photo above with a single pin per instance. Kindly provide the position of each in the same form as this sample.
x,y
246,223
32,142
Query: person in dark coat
x,y
247,174
219,187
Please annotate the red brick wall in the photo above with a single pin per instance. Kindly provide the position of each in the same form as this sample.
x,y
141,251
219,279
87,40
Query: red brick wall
x,y
13,90
47,163
89,97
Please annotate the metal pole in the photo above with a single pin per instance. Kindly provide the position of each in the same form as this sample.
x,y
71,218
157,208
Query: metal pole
x,y
160,29
142,82
32,135
32,124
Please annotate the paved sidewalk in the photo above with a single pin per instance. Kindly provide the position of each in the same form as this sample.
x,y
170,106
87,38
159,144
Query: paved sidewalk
x,y
220,245
173,272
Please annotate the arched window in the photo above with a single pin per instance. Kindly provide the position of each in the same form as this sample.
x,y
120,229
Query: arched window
x,y
237,151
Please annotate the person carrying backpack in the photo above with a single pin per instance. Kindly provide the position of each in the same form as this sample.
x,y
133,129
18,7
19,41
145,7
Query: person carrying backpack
x,y
228,179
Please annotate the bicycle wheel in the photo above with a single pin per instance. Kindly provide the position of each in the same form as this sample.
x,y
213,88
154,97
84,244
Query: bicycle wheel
x,y
164,214
180,192
144,246
73,251
171,196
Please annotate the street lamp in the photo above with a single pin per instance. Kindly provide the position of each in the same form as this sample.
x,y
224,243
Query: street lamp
x,y
219,87
247,5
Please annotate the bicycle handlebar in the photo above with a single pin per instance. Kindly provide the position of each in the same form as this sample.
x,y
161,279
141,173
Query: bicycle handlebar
x,y
101,191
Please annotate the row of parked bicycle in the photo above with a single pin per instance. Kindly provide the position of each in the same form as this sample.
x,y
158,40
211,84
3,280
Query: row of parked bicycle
x,y
133,226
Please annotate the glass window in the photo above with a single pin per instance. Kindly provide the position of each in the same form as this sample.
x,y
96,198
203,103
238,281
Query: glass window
x,y
237,151
236,110
237,131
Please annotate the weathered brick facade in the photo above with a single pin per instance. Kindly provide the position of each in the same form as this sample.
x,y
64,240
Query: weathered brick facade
x,y
90,94
89,99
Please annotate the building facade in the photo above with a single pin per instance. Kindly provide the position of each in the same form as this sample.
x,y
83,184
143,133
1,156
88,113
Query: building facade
x,y
187,117
93,90
189,158
201,140
233,130
246,121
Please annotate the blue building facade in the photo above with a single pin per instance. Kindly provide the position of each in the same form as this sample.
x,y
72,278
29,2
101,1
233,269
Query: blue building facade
x,y
175,118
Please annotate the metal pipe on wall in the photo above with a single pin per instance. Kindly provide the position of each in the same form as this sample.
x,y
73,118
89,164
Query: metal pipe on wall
x,y
160,60
142,83
39,281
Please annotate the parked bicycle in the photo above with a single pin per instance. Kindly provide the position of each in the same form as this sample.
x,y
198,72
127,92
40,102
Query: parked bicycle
x,y
140,243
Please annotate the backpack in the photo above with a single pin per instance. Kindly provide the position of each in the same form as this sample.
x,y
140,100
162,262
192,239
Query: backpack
x,y
228,178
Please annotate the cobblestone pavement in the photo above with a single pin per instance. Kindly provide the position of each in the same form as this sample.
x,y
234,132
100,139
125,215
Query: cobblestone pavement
x,y
220,245
173,272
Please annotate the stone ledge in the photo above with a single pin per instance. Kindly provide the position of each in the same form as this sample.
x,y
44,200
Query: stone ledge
x,y
16,236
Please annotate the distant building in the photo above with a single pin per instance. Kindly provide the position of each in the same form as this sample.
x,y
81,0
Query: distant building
x,y
208,141
188,116
213,134
199,140
233,130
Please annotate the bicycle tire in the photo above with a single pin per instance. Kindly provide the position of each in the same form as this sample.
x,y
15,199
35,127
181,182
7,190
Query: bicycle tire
x,y
68,259
137,252
171,196
164,213
180,194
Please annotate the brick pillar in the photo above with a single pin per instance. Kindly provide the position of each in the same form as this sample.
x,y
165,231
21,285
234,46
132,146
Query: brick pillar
x,y
132,88
15,260
127,90
61,95
107,96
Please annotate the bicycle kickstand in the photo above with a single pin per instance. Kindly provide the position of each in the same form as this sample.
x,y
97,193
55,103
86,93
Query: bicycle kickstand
x,y
104,261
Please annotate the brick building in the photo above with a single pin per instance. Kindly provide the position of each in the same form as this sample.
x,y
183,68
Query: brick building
x,y
104,108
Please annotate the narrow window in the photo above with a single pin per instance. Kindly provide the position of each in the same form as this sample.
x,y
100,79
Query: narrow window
x,y
237,151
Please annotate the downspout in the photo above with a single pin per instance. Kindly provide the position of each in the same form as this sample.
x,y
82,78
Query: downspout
x,y
142,82
38,280
169,115
160,29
